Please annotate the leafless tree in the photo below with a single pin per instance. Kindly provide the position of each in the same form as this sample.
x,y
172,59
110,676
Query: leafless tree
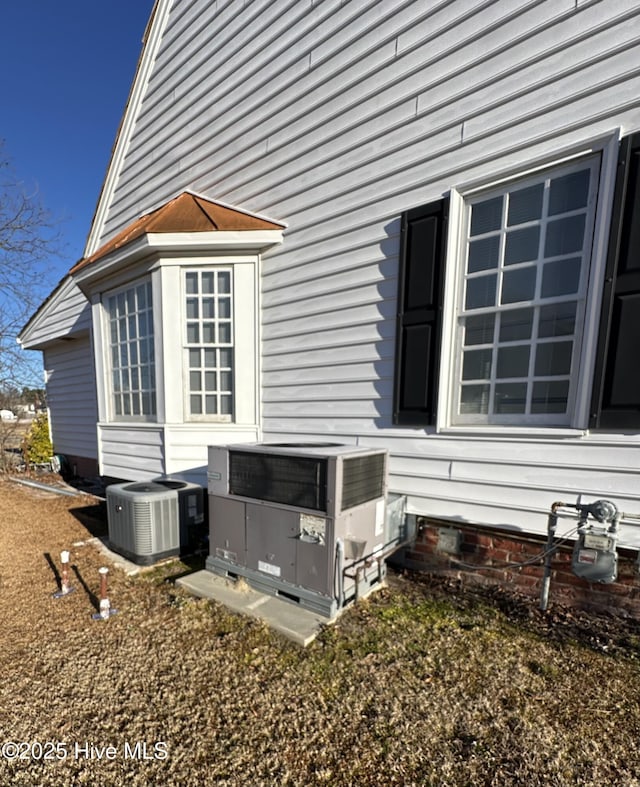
x,y
11,431
28,241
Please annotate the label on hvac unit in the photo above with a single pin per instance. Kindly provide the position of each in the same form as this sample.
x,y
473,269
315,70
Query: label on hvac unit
x,y
313,525
268,568
594,541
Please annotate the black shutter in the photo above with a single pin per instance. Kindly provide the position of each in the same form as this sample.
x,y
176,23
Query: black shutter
x,y
422,252
616,389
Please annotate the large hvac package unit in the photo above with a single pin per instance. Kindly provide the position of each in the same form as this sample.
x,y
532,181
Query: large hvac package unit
x,y
304,521
148,521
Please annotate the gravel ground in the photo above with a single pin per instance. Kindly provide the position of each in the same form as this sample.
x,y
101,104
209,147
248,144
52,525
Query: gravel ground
x,y
421,684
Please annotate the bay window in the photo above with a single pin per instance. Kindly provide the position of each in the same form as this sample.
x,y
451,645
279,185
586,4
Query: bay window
x,y
209,346
132,354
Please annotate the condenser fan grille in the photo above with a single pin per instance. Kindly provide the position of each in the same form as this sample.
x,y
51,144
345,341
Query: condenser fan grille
x,y
288,480
362,479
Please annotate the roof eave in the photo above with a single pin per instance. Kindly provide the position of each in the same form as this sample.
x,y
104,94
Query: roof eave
x,y
184,243
50,304
219,240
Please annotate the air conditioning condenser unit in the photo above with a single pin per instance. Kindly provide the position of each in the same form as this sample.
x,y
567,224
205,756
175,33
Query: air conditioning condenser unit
x,y
149,521
143,521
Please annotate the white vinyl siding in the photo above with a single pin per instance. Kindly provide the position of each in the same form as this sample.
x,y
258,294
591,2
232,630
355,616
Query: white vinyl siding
x,y
509,481
71,397
131,451
337,117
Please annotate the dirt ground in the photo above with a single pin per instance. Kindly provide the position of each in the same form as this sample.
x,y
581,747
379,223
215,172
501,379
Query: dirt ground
x,y
420,684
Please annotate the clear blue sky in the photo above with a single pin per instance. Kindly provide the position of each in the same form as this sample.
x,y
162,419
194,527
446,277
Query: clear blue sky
x,y
66,67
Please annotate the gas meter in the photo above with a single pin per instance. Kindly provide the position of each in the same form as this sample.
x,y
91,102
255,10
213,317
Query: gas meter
x,y
594,556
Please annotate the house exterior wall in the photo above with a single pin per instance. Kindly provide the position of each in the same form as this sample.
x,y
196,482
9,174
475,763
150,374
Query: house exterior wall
x,y
131,453
143,453
71,399
62,330
338,117
187,447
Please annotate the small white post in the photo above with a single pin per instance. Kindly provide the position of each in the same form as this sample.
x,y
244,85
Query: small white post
x,y
105,606
64,559
65,587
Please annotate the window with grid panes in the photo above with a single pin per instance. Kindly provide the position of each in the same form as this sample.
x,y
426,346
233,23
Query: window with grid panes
x,y
130,315
522,300
209,343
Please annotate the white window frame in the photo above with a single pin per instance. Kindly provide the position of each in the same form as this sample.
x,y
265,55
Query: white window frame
x,y
150,337
460,198
201,345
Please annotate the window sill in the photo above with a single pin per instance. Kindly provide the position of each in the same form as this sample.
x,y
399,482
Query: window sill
x,y
492,430
128,423
212,420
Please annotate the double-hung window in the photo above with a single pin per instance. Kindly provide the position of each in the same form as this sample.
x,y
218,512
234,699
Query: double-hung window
x,y
209,343
130,317
521,304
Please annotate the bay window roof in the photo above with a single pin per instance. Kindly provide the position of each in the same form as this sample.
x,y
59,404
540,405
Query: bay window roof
x,y
191,215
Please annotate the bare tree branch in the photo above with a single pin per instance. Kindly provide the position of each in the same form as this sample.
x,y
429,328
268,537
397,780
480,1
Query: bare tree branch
x,y
29,240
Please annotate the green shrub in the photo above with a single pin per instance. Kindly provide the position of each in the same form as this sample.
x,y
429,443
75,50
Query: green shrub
x,y
37,443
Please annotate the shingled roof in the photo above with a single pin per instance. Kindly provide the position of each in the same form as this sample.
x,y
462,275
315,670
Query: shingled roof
x,y
185,213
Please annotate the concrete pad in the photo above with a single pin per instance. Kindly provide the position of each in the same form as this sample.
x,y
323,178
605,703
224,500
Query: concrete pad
x,y
130,568
117,560
296,623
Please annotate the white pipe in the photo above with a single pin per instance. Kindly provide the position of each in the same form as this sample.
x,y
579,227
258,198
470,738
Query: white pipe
x,y
64,559
105,605
45,487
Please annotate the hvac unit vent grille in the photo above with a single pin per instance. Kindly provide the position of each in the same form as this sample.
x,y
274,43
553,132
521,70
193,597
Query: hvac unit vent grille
x,y
288,480
363,479
143,516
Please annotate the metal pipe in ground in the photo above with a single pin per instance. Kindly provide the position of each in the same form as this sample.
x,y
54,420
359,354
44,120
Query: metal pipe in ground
x,y
65,586
105,605
552,524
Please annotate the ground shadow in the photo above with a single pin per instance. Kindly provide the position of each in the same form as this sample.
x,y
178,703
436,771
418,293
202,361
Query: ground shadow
x,y
187,565
54,569
93,518
90,594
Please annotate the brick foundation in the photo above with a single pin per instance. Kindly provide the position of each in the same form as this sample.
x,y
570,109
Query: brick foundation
x,y
492,552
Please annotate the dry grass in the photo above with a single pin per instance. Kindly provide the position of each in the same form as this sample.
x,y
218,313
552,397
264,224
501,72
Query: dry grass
x,y
419,685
